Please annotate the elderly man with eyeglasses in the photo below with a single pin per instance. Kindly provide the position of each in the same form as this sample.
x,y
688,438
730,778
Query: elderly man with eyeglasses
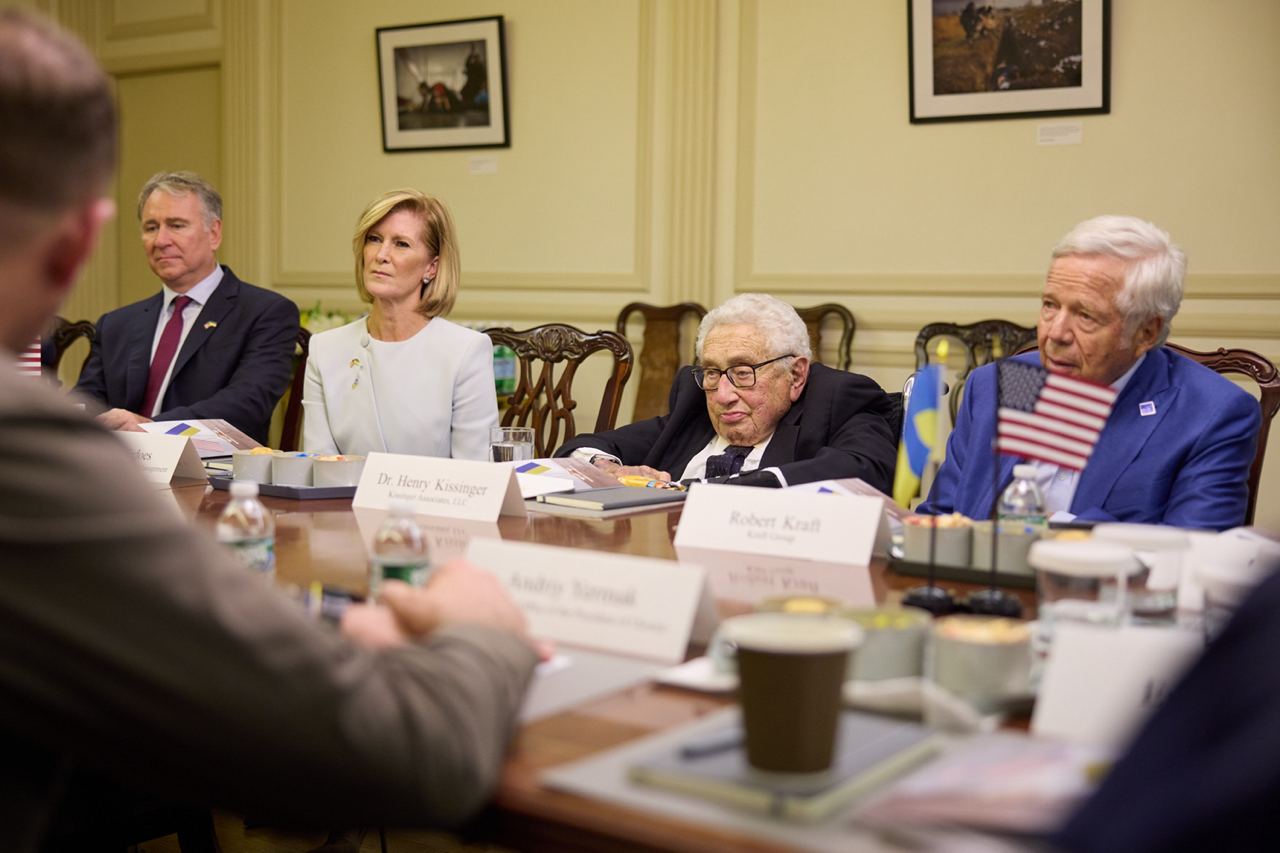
x,y
754,410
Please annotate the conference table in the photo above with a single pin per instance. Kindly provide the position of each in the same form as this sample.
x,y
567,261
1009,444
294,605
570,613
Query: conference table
x,y
322,540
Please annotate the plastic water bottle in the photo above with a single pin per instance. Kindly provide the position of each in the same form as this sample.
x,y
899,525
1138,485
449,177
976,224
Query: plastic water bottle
x,y
248,529
400,550
504,370
1023,502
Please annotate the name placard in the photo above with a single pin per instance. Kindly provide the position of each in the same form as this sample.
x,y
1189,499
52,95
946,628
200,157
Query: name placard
x,y
631,606
834,528
163,457
751,578
451,488
1100,684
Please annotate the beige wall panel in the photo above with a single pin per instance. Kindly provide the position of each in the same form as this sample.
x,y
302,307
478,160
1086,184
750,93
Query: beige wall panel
x,y
138,34
843,183
564,198
169,120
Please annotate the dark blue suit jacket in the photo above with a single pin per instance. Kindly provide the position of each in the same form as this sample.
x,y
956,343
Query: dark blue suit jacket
x,y
235,364
843,425
1186,465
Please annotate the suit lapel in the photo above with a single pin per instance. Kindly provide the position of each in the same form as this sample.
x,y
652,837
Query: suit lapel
x,y
206,325
138,352
1127,431
782,446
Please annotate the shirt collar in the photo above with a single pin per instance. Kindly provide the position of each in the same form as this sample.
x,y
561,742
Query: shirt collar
x,y
200,293
1119,384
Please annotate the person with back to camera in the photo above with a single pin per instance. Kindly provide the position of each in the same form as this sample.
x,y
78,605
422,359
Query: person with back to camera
x,y
402,379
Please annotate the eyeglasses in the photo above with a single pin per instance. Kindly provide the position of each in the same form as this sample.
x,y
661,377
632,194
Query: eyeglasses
x,y
739,375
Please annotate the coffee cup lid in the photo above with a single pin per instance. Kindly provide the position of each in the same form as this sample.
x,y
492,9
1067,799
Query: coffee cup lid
x,y
792,633
1143,537
1087,559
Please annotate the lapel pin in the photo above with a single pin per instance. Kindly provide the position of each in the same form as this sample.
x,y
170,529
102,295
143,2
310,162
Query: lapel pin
x,y
1146,408
210,325
355,362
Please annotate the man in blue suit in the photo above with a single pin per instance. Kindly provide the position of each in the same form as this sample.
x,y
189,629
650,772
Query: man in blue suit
x,y
1180,439
208,345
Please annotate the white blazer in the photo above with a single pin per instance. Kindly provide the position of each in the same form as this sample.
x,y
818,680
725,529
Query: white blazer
x,y
432,395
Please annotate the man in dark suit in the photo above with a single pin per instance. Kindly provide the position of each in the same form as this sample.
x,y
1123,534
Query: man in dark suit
x,y
208,345
756,411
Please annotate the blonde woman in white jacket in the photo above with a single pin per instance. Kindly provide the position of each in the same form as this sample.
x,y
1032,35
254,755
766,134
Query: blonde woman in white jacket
x,y
402,379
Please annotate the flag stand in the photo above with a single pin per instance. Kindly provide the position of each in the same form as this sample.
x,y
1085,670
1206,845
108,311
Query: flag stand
x,y
931,597
994,601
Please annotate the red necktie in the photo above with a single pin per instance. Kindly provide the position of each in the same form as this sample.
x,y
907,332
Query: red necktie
x,y
164,355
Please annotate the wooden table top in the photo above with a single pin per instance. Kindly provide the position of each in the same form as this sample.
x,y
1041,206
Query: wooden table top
x,y
325,541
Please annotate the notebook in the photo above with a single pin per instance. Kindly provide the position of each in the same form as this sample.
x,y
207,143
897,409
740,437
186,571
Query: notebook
x,y
617,497
870,751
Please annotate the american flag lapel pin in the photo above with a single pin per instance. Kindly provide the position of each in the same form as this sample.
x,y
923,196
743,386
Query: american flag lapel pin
x,y
1146,408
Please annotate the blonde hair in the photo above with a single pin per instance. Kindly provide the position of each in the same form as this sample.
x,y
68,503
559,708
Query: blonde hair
x,y
438,234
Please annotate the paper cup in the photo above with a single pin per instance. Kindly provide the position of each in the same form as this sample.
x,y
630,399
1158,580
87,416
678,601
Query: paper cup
x,y
292,469
337,470
248,465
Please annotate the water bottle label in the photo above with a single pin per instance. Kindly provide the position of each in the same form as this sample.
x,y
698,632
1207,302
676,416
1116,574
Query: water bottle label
x,y
258,555
414,574
1028,520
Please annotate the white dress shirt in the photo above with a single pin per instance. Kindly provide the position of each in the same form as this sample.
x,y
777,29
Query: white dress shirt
x,y
696,469
199,295
1058,485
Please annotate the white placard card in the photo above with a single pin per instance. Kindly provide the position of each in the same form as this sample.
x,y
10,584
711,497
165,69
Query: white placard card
x,y
452,488
831,528
164,457
751,578
1101,683
633,606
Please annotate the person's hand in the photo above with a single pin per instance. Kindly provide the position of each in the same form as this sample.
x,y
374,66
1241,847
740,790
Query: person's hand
x,y
122,419
613,469
372,627
458,593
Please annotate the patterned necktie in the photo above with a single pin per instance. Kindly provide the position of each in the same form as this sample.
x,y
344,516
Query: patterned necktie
x,y
164,355
728,463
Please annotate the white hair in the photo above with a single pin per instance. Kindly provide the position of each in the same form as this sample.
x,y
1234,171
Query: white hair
x,y
781,326
1154,266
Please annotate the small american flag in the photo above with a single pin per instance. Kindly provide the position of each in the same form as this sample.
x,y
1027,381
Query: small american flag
x,y
29,360
1048,416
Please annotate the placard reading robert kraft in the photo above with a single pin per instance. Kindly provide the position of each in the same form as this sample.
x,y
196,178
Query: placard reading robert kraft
x,y
632,606
453,488
782,523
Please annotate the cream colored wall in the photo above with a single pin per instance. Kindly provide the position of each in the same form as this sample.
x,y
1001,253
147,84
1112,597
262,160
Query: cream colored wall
x,y
689,149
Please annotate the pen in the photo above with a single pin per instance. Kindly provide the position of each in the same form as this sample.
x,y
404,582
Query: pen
x,y
643,482
713,744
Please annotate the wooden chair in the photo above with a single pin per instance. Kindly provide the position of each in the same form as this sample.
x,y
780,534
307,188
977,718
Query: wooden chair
x,y
55,342
813,320
1243,362
545,402
291,432
662,353
983,342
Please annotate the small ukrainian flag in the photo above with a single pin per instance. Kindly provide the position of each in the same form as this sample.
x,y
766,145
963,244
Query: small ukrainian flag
x,y
919,432
532,468
182,429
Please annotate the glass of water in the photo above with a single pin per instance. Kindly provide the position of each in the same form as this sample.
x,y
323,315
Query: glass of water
x,y
1081,581
510,444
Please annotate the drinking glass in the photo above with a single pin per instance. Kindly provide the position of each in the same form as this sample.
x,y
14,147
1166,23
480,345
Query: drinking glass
x,y
510,444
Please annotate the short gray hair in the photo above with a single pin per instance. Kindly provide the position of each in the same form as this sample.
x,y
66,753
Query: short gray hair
x,y
182,183
778,321
1154,266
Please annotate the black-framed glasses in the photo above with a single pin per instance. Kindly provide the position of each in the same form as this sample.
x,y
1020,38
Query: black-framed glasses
x,y
739,375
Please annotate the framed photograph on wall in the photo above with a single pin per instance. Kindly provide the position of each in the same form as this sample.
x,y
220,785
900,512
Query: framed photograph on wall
x,y
984,59
443,85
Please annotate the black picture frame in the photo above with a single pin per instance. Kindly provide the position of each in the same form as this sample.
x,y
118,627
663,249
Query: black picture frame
x,y
443,85
1003,59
